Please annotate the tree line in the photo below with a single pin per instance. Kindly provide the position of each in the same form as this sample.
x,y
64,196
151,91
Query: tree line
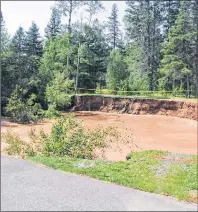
x,y
157,50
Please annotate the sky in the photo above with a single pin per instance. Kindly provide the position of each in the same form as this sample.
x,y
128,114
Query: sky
x,y
22,13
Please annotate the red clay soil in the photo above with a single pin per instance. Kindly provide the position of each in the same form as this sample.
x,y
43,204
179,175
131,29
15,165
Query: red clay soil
x,y
146,132
136,106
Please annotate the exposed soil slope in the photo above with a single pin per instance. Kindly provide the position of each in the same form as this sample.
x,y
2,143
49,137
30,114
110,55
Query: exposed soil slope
x,y
136,106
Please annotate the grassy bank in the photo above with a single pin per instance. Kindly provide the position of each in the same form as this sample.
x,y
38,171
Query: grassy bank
x,y
170,98
153,171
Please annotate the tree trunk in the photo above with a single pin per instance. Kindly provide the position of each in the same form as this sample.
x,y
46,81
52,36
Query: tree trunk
x,y
153,64
69,30
19,62
77,73
188,87
70,14
181,83
150,71
173,83
169,2
90,18
114,35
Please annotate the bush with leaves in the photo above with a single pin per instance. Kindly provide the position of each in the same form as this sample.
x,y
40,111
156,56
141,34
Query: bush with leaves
x,y
58,91
16,146
69,138
116,70
52,112
23,109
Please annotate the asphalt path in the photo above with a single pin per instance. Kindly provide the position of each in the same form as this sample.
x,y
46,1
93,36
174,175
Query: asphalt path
x,y
29,187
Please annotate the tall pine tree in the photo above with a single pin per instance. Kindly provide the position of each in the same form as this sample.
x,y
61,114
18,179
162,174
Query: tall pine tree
x,y
7,77
5,37
114,33
143,23
19,56
178,52
54,26
34,51
34,41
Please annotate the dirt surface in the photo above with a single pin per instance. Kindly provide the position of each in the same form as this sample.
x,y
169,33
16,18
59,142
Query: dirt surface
x,y
146,132
135,106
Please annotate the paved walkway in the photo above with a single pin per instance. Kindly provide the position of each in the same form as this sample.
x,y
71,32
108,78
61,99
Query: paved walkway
x,y
28,187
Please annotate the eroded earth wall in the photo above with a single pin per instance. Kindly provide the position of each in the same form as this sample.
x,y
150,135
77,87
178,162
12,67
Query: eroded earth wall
x,y
135,106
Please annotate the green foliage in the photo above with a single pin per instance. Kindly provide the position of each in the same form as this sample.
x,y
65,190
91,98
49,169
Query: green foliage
x,y
23,109
52,112
143,22
176,65
94,51
113,26
5,37
16,146
58,90
138,82
115,70
69,138
19,57
54,26
34,42
54,60
159,52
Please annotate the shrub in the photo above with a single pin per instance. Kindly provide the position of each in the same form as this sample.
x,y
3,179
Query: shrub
x,y
16,146
52,112
21,109
69,138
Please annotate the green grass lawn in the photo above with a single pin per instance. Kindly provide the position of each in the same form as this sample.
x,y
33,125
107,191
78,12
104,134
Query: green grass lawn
x,y
147,171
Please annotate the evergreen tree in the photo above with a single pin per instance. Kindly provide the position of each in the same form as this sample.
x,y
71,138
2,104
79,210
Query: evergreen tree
x,y
170,12
54,26
7,77
178,56
34,42
114,33
19,57
195,43
34,51
5,37
93,54
137,80
143,22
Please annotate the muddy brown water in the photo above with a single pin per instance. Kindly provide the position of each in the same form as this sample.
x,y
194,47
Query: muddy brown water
x,y
145,132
